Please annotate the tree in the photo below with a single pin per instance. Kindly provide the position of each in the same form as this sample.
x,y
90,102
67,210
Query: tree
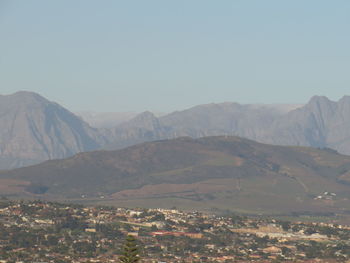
x,y
130,251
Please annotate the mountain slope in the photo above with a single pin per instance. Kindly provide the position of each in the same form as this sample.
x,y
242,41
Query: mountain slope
x,y
224,172
306,126
34,129
320,123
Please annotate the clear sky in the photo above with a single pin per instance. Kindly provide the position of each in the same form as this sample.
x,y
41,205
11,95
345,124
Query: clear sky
x,y
166,55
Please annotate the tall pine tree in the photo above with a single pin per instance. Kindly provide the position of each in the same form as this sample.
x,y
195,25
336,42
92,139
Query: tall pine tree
x,y
130,251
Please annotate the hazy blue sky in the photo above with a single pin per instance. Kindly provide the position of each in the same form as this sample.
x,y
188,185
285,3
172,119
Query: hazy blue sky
x,y
166,55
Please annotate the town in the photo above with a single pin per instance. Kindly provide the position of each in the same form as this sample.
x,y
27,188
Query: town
x,y
37,231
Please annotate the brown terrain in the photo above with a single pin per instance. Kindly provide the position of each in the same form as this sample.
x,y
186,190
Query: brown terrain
x,y
213,172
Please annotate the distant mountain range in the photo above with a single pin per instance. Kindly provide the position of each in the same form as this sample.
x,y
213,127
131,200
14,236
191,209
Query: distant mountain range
x,y
113,119
212,172
321,123
35,129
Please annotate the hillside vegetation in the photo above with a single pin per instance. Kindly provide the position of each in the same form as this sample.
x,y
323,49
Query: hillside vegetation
x,y
219,172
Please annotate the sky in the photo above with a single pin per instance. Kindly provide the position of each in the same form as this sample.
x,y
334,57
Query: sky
x,y
163,55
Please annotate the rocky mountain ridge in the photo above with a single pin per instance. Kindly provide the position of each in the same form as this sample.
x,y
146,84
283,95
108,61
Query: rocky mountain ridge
x,y
319,123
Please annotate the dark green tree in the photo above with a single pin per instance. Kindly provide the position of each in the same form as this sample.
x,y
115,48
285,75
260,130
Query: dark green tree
x,y
130,251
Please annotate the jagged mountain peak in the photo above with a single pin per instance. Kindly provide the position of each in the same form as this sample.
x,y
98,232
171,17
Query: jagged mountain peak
x,y
23,98
35,129
146,118
320,101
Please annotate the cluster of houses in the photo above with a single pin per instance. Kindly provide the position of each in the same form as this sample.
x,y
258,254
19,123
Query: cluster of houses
x,y
72,233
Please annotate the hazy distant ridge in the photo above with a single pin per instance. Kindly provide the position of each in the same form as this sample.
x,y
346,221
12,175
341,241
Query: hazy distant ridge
x,y
319,123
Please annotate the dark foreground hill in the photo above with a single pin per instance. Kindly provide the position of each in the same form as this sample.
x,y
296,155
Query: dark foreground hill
x,y
211,172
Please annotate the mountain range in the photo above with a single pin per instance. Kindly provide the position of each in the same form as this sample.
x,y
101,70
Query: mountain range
x,y
35,129
320,123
